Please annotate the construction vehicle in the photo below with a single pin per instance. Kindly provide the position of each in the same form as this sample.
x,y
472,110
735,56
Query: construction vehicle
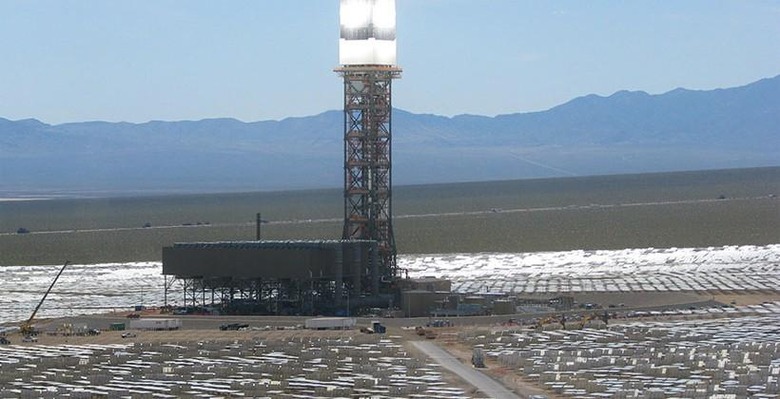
x,y
550,320
425,332
378,327
585,320
594,316
27,329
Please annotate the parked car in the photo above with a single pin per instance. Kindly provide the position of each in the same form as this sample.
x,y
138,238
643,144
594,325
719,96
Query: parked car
x,y
233,327
128,334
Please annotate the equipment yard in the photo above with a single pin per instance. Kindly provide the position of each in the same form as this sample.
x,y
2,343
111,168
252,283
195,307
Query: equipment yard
x,y
711,350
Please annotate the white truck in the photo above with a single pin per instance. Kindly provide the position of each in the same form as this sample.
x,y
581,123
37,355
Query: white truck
x,y
330,323
155,324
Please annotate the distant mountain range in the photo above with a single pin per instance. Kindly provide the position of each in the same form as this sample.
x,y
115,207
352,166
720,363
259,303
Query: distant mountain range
x,y
627,132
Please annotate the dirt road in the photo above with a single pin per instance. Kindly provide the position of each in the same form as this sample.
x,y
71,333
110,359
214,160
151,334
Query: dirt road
x,y
485,384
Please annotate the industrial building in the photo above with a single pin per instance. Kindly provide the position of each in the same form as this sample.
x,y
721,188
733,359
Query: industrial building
x,y
275,277
325,276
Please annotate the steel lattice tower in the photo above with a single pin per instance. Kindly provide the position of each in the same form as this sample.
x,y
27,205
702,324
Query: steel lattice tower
x,y
368,211
367,55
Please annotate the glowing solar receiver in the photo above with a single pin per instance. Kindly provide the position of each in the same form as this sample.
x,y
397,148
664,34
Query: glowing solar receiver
x,y
367,32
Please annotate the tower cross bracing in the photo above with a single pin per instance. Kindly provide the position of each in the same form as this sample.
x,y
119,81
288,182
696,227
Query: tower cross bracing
x,y
368,159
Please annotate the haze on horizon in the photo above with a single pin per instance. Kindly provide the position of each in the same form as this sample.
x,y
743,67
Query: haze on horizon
x,y
80,60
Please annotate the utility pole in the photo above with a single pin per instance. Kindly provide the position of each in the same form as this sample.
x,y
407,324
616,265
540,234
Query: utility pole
x,y
259,229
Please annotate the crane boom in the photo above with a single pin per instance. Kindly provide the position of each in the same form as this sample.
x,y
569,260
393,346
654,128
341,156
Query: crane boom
x,y
26,327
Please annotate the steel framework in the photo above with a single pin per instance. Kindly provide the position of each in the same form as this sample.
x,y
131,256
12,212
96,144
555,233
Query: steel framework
x,y
259,296
368,159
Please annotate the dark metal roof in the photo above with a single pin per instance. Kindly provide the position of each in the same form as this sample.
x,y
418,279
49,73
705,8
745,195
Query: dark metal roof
x,y
291,244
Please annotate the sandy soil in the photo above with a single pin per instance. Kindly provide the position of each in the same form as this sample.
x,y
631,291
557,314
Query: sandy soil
x,y
449,377
181,336
741,298
198,328
500,373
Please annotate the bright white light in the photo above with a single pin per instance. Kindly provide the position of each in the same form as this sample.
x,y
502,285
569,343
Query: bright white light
x,y
367,32
384,14
367,52
355,13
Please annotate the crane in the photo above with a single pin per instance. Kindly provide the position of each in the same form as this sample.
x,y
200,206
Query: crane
x,y
27,328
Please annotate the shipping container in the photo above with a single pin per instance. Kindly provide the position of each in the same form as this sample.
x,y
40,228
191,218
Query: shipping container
x,y
330,323
155,324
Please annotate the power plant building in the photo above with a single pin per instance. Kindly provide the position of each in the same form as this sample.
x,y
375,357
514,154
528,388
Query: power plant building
x,y
274,277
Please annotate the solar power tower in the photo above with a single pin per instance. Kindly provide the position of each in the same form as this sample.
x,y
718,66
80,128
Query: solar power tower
x,y
367,59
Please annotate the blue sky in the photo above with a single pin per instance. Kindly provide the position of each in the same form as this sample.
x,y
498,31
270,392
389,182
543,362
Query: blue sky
x,y
77,60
